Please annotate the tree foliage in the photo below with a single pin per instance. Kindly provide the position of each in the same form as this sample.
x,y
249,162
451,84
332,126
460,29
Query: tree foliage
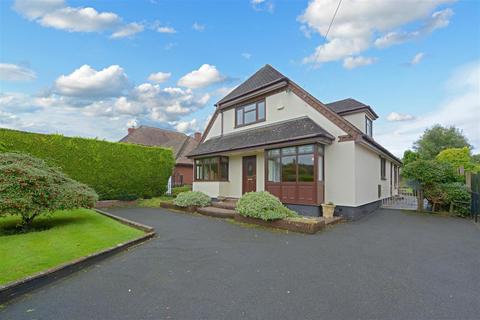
x,y
115,170
428,172
457,157
438,138
29,188
409,156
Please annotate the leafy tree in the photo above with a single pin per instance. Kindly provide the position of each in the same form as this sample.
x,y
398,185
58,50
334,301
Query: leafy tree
x,y
428,174
29,188
409,156
439,138
476,158
457,157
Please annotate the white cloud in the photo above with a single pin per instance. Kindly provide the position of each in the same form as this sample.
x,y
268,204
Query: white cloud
x,y
16,102
56,14
13,72
127,30
166,30
354,62
132,123
125,106
357,22
263,5
417,58
187,127
87,82
33,9
206,75
459,109
246,55
80,20
439,19
395,116
198,27
159,77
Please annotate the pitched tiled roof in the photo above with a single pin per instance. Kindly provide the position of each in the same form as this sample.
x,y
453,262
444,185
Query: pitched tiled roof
x,y
296,129
265,76
180,143
349,105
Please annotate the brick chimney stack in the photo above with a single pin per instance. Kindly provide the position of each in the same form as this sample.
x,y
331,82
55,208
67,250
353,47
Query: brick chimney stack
x,y
131,130
197,136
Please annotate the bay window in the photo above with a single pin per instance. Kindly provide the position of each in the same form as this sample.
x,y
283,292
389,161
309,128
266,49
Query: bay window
x,y
294,164
211,169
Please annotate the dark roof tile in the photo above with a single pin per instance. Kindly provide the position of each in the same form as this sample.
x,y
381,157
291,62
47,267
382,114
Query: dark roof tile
x,y
180,143
296,129
265,76
349,105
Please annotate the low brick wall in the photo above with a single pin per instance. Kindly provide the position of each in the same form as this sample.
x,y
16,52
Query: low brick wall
x,y
115,203
285,224
169,205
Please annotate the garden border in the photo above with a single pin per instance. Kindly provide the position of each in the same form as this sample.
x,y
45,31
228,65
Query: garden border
x,y
17,288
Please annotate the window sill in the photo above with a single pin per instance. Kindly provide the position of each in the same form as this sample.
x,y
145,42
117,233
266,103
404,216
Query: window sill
x,y
249,124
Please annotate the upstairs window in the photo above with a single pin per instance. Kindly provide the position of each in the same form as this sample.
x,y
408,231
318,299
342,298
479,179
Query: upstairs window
x,y
383,168
368,126
250,113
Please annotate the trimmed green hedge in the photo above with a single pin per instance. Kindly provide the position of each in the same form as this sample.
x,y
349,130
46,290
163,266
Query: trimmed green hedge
x,y
115,170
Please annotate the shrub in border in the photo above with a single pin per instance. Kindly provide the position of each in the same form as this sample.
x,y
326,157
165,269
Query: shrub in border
x,y
262,205
115,170
192,199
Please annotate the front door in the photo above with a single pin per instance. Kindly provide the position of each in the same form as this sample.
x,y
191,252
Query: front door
x,y
249,174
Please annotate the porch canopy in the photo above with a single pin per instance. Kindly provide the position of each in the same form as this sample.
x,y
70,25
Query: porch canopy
x,y
267,137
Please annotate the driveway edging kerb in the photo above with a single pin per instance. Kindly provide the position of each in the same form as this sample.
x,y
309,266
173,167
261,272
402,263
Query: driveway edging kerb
x,y
17,288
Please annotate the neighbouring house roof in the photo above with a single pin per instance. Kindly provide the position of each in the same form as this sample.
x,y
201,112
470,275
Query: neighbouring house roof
x,y
349,105
264,77
180,143
285,131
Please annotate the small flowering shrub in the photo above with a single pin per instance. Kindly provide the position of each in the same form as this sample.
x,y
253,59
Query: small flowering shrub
x,y
262,205
192,198
29,188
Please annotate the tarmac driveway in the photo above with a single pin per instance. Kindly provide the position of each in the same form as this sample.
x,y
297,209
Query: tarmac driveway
x,y
390,265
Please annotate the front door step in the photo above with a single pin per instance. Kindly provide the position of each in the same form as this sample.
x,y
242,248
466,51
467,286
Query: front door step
x,y
217,212
224,204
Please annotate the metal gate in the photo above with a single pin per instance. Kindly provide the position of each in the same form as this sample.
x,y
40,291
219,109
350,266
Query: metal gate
x,y
473,182
406,199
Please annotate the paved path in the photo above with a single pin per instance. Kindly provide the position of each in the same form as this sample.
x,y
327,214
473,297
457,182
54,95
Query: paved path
x,y
390,265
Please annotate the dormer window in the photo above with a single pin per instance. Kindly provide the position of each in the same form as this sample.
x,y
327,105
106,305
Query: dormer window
x,y
368,126
250,113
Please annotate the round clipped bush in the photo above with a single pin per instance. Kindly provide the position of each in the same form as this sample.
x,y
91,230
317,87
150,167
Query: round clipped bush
x,y
262,205
192,199
29,188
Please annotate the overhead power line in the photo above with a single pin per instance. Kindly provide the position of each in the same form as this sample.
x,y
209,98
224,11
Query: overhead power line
x,y
333,18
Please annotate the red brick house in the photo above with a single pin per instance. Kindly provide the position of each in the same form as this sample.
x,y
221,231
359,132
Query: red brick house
x,y
180,143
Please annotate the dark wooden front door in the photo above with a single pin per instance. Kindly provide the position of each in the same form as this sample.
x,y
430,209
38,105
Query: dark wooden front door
x,y
249,174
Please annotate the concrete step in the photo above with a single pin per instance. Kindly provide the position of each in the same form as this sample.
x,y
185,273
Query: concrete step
x,y
224,204
216,212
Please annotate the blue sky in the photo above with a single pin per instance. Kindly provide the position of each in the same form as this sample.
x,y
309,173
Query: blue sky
x,y
82,67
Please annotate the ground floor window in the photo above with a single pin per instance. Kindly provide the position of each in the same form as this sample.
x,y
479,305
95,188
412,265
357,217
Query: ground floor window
x,y
211,169
294,164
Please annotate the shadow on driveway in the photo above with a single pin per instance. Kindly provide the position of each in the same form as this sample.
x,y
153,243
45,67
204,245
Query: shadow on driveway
x,y
389,265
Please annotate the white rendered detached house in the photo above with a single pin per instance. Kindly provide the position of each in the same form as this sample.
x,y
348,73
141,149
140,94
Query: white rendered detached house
x,y
270,134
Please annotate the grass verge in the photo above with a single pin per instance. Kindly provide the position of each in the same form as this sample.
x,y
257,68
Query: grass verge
x,y
66,236
154,202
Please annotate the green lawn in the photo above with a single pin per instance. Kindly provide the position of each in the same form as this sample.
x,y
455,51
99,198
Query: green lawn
x,y
73,234
154,202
